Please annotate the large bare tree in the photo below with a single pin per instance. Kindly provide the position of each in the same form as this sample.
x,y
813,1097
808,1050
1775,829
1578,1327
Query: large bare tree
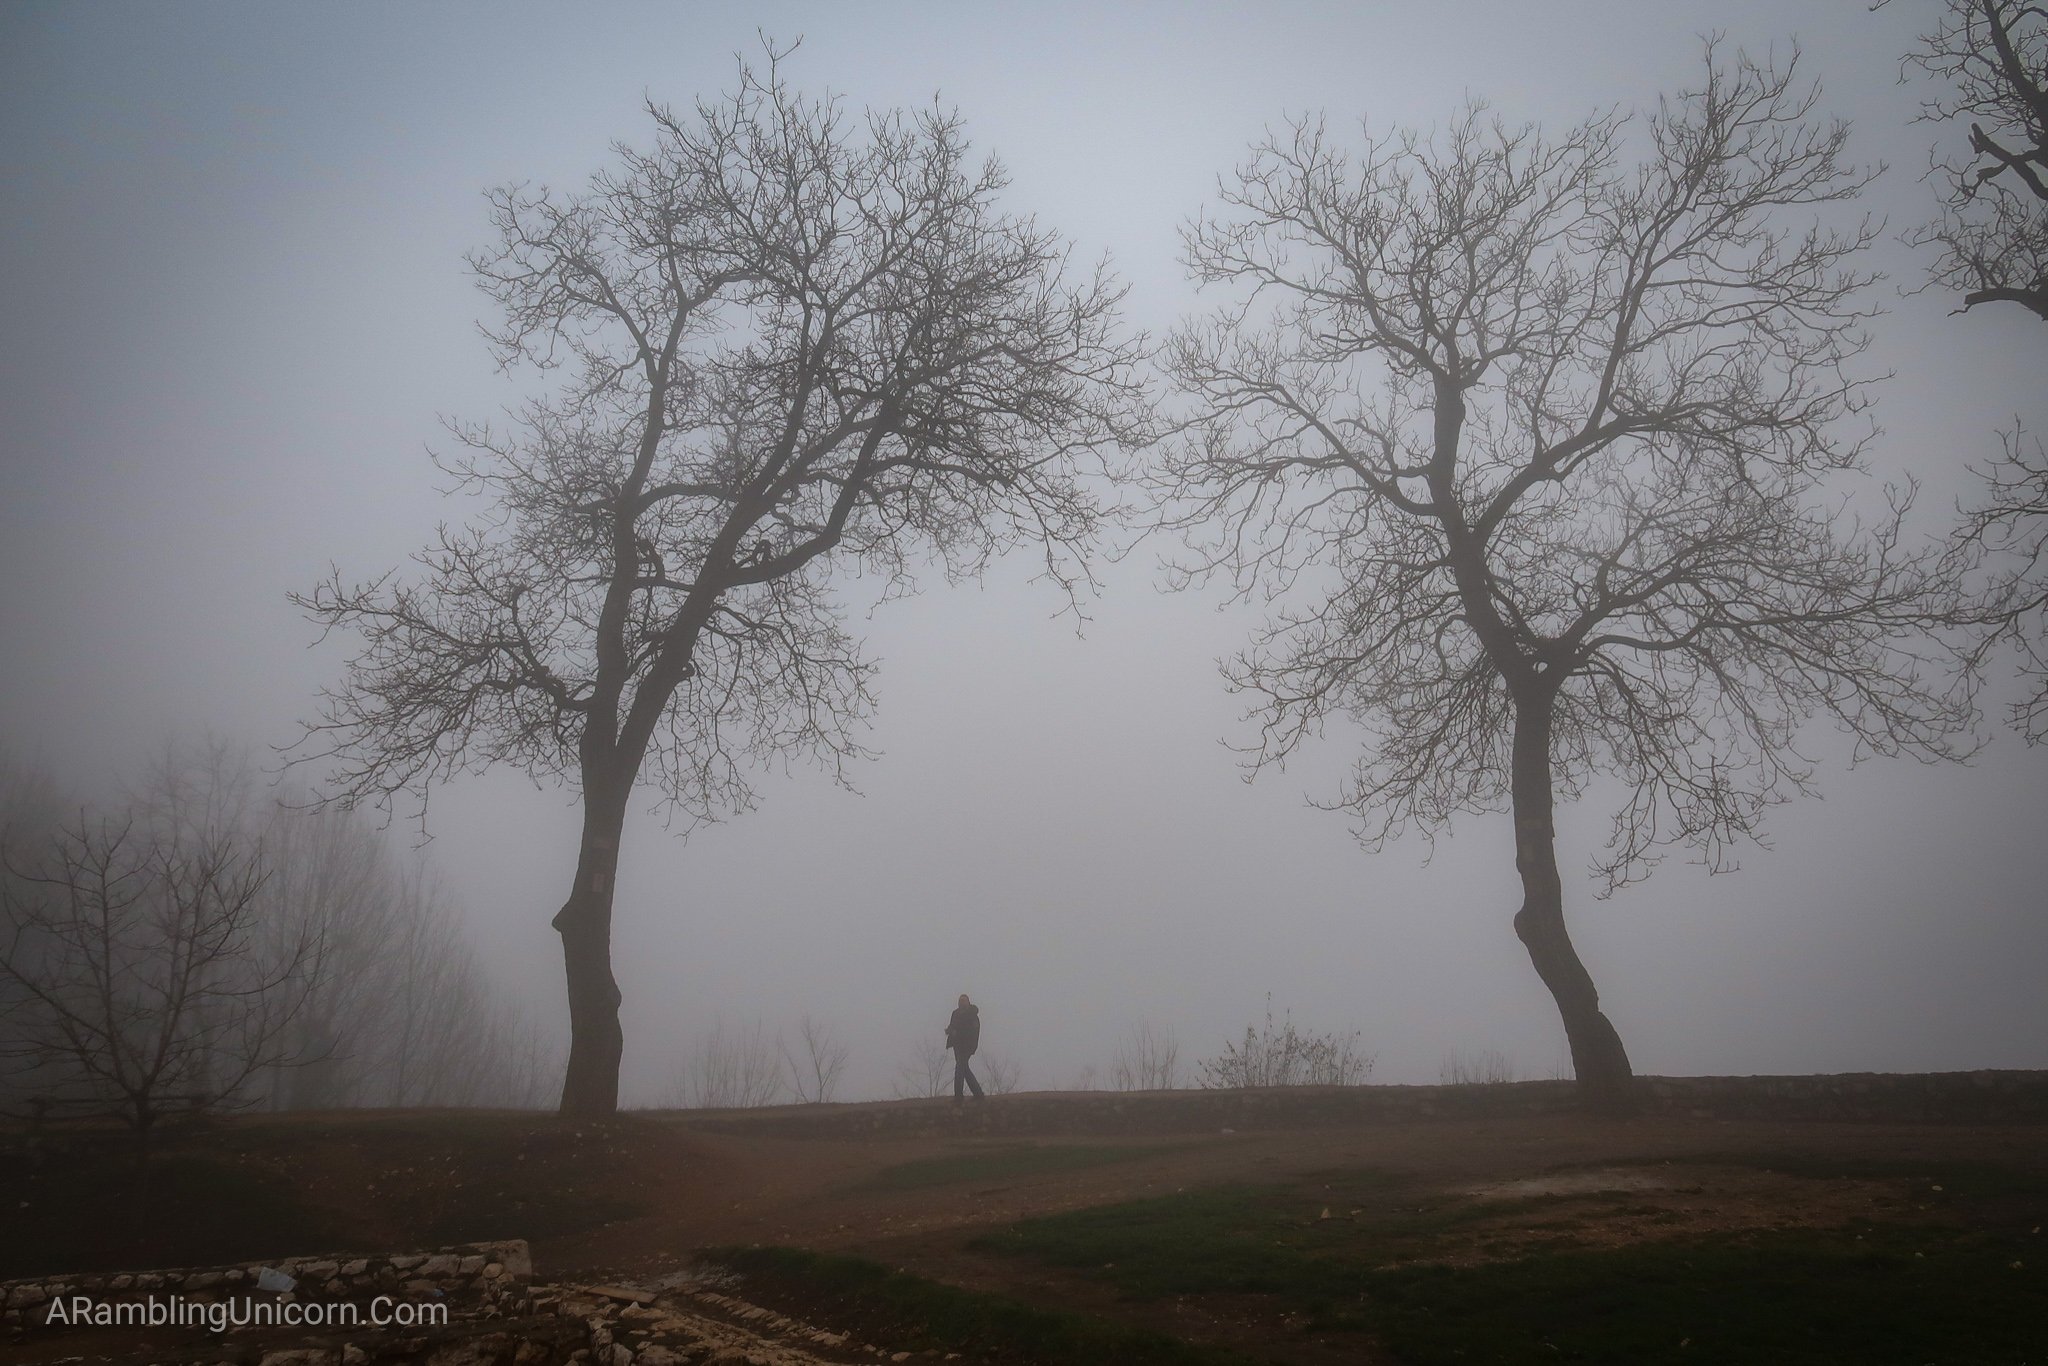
x,y
1530,439
1989,62
783,337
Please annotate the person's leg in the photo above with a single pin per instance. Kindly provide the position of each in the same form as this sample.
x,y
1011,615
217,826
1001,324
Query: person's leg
x,y
960,1074
968,1072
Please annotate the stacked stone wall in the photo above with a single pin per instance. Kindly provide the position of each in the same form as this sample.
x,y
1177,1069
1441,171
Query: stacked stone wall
x,y
477,1278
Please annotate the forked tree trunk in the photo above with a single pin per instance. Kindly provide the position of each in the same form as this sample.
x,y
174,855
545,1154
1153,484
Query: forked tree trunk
x,y
1606,1082
591,1084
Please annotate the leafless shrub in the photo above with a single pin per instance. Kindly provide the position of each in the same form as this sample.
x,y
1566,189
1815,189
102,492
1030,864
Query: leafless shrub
x,y
815,1063
999,1072
1148,1060
1485,1068
731,1069
926,1072
1281,1055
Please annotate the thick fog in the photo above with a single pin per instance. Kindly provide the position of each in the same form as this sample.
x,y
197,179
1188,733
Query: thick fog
x,y
235,310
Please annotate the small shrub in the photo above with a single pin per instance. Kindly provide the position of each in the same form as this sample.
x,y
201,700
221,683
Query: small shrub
x,y
926,1072
1000,1073
1282,1055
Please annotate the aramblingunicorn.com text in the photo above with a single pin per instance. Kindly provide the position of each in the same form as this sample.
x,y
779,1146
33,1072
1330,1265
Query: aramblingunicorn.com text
x,y
218,1316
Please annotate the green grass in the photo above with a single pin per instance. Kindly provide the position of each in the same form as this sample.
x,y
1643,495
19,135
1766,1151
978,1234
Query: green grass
x,y
1969,1179
1002,1163
1873,1293
911,1313
1256,1240
1797,1298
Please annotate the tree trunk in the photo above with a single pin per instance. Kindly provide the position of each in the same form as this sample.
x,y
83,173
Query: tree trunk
x,y
1606,1082
596,1043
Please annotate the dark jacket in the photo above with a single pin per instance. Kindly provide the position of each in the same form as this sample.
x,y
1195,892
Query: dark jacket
x,y
963,1031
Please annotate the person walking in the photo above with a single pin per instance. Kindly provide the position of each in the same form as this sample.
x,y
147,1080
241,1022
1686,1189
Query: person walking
x,y
963,1036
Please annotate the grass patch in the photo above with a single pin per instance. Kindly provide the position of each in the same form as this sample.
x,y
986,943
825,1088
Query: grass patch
x,y
1255,1240
914,1314
1876,1293
1966,1179
1897,1297
1002,1163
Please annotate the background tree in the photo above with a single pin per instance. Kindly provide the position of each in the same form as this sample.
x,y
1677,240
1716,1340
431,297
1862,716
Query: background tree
x,y
1990,58
1148,1059
1532,445
780,334
395,1010
731,1069
139,973
815,1062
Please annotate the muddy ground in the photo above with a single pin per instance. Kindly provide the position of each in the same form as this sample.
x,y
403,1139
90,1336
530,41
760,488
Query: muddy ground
x,y
632,1200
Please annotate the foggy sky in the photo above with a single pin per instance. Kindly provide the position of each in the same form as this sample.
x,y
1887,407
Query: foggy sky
x,y
233,309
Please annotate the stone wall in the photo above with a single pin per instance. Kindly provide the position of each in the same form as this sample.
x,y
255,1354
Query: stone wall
x,y
1982,1097
479,1278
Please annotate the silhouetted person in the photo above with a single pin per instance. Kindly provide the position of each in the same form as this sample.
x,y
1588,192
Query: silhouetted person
x,y
963,1036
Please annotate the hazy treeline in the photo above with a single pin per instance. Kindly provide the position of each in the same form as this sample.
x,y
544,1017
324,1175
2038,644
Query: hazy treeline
x,y
728,1066
199,940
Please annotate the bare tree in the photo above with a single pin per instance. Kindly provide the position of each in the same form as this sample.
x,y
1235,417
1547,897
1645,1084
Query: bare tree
x,y
2003,538
429,1029
1148,1060
731,1069
785,337
32,812
1003,1073
1990,58
139,974
815,1064
328,881
1532,445
925,1072
30,802
395,1008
